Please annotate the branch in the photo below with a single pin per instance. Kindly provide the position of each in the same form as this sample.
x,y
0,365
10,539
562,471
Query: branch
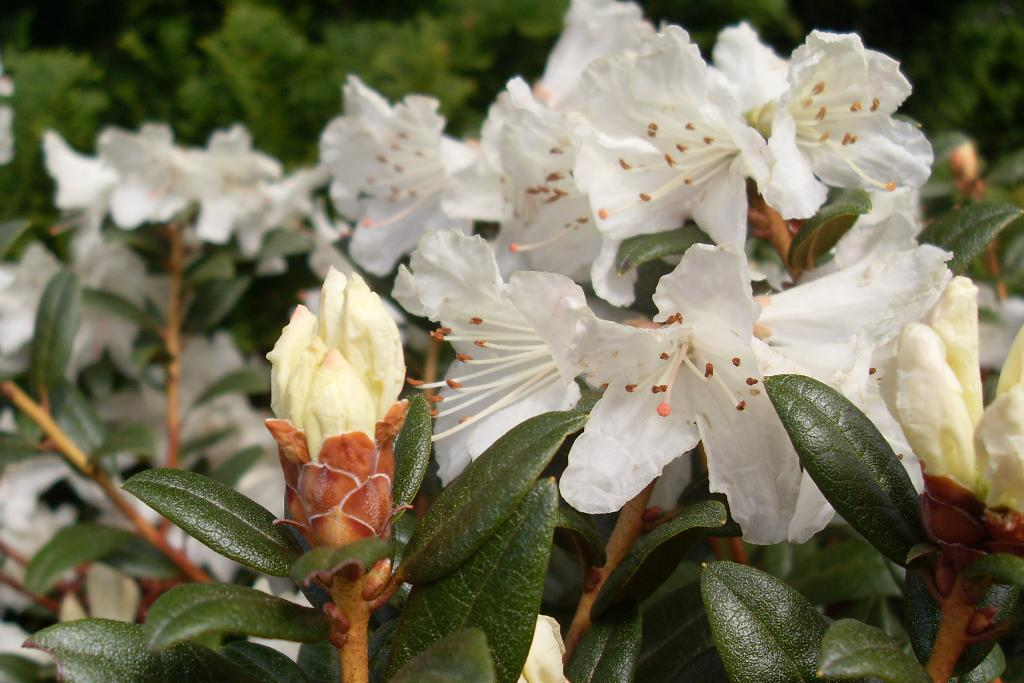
x,y
81,462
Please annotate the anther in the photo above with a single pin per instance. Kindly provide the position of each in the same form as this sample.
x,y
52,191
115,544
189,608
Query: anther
x,y
708,140
824,136
709,370
806,103
872,371
645,197
669,160
630,388
741,405
751,381
464,419
625,166
664,409
435,399
482,343
382,159
438,335
434,412
875,104
855,106
820,116
819,88
602,214
552,177
681,147
453,384
689,126
476,321
555,150
604,386
664,356
413,382
736,361
464,357
652,129
890,186
399,168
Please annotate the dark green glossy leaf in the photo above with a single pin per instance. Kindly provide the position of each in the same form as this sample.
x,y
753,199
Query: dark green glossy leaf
x,y
119,306
380,649
56,323
319,661
1002,568
214,300
574,531
196,663
677,644
218,516
609,649
851,462
326,561
10,233
77,417
968,230
19,669
231,471
263,663
843,572
461,657
215,266
69,548
200,609
989,669
244,381
412,452
638,250
821,232
284,242
134,438
765,631
852,650
498,589
654,556
486,492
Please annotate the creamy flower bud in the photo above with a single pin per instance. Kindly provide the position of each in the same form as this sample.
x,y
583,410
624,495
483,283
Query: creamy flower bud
x,y
955,320
999,441
930,406
1012,373
544,663
339,372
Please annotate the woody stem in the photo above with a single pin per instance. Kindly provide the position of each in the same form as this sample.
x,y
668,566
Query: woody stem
x,y
957,610
771,222
77,458
351,637
628,527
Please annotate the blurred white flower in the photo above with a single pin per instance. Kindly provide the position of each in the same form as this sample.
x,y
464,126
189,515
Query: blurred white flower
x,y
83,183
111,595
510,351
392,167
665,142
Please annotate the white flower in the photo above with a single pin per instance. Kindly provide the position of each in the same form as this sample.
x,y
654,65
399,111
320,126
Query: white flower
x,y
549,222
6,119
232,194
752,72
84,183
691,378
835,126
998,328
392,166
510,363
665,143
158,179
21,287
593,29
544,661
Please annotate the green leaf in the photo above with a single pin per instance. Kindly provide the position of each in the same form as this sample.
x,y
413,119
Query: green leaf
x,y
575,531
14,448
851,462
134,438
119,306
217,516
138,558
655,555
766,632
461,657
486,492
498,589
209,439
638,250
608,651
284,242
677,644
326,561
854,650
77,417
1001,568
245,381
263,663
231,471
821,232
56,323
199,609
105,651
69,548
968,230
10,233
380,649
989,669
214,300
19,669
319,661
214,266
412,452
843,572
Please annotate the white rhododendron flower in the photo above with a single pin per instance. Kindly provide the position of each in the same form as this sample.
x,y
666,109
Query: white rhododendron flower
x,y
84,183
752,72
392,167
510,363
544,661
593,29
834,126
665,142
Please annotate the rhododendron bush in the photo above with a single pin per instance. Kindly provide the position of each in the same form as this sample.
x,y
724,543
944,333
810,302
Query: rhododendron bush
x,y
673,364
